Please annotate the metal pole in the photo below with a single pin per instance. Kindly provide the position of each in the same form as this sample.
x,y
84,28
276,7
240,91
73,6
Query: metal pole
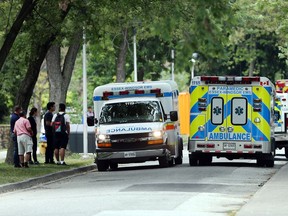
x,y
85,136
172,65
135,56
192,69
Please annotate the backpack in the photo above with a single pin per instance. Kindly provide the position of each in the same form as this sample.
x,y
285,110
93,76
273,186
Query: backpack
x,y
59,124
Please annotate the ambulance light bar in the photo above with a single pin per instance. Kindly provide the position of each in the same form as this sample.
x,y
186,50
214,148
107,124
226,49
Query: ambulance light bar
x,y
107,94
229,79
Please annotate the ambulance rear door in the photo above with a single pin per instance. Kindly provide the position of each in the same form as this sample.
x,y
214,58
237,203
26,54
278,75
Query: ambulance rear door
x,y
229,114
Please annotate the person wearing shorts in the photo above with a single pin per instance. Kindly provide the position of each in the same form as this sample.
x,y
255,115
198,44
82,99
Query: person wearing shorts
x,y
61,139
23,131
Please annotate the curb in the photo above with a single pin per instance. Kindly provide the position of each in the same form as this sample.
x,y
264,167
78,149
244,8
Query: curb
x,y
44,179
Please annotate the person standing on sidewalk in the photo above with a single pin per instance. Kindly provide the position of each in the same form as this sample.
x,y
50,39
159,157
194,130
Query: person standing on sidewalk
x,y
14,117
31,118
24,134
61,128
49,133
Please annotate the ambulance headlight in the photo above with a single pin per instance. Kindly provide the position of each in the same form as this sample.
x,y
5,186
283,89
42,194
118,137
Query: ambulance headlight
x,y
102,137
257,120
156,134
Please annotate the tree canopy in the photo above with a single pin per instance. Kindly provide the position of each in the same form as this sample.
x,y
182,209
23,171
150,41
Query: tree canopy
x,y
239,37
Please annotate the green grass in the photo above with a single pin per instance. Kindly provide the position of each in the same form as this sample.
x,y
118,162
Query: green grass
x,y
9,174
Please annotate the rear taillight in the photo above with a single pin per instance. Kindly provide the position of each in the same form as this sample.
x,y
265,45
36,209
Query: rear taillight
x,y
202,104
257,105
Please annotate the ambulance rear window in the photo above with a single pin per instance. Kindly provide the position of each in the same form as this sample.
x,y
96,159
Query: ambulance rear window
x,y
239,111
217,111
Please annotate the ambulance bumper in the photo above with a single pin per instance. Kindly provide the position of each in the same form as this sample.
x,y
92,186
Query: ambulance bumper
x,y
218,148
130,155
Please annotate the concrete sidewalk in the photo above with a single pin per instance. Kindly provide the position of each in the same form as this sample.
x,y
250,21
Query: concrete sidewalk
x,y
271,198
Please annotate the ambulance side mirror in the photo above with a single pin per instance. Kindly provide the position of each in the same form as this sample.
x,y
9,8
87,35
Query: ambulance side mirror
x,y
276,115
173,116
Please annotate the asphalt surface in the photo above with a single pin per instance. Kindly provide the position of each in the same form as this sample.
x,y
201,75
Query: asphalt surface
x,y
268,200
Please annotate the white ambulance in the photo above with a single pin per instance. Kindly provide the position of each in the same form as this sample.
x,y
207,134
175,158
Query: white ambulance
x,y
137,122
281,110
231,117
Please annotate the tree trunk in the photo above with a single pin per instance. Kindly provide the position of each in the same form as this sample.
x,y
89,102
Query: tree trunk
x,y
251,67
121,60
69,63
26,87
25,11
59,80
53,61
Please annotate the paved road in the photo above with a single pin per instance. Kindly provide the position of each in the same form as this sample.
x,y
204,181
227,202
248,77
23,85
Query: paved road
x,y
137,189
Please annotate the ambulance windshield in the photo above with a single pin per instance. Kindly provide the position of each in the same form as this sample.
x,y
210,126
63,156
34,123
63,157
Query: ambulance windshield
x,y
131,112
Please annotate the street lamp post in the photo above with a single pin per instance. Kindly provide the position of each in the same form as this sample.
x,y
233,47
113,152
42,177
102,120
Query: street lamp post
x,y
193,60
172,65
135,55
85,135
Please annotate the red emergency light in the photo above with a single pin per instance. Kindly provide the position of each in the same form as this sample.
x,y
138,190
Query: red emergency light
x,y
138,91
106,94
124,92
156,91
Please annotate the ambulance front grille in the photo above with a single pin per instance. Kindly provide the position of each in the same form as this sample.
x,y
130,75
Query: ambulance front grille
x,y
129,141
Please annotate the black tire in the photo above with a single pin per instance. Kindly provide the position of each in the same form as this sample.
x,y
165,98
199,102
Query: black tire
x,y
179,159
102,165
171,162
193,161
113,166
163,161
270,163
205,160
286,152
260,163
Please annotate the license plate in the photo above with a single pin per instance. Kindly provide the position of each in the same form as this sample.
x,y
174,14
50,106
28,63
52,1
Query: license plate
x,y
129,154
229,146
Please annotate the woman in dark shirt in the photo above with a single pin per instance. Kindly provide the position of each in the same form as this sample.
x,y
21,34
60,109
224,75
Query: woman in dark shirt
x,y
31,118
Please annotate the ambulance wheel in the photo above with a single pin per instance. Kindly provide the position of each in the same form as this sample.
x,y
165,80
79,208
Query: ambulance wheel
x,y
205,160
163,161
269,163
113,166
260,162
193,161
102,165
286,152
171,162
179,159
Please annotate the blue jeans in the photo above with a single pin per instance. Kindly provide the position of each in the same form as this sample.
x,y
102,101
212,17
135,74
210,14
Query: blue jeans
x,y
16,156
